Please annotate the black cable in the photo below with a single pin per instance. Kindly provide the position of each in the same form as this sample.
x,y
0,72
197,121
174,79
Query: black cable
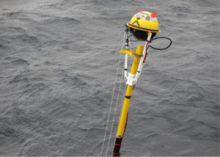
x,y
161,38
155,39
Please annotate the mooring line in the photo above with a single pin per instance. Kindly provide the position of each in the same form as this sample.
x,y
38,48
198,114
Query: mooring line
x,y
110,108
113,93
116,106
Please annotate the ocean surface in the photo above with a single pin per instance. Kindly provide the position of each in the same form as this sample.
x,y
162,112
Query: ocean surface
x,y
62,86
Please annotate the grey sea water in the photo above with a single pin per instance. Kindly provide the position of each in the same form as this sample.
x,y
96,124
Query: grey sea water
x,y
58,66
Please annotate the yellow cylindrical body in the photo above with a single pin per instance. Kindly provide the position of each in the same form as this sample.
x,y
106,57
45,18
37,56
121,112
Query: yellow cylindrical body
x,y
125,108
124,112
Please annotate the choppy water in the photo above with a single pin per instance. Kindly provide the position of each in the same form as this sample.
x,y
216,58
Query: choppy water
x,y
58,64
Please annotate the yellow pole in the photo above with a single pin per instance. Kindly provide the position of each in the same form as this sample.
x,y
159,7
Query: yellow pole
x,y
125,108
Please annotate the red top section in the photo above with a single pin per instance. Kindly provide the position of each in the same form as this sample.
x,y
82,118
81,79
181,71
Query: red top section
x,y
154,15
141,11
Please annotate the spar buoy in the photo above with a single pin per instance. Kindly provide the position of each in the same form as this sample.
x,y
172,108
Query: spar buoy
x,y
143,26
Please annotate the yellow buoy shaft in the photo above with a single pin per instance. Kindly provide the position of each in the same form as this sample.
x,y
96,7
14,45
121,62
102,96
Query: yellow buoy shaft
x,y
124,112
125,108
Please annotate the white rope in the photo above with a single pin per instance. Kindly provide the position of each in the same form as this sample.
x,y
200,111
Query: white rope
x,y
116,106
113,93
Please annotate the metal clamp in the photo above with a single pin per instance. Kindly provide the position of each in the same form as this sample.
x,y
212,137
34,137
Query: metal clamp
x,y
131,79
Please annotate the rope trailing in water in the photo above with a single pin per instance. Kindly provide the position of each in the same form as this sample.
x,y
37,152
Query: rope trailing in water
x,y
113,120
110,108
112,98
